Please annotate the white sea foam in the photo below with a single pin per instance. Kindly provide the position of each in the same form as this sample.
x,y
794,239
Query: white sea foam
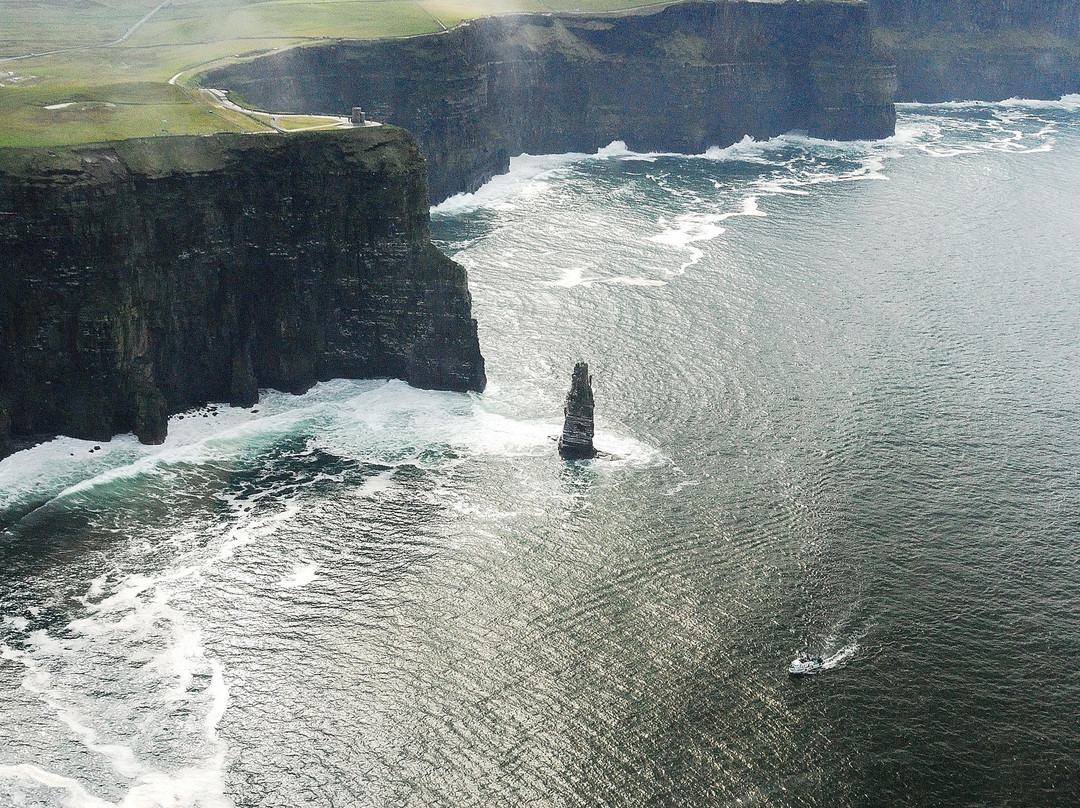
x,y
43,471
96,590
194,786
625,280
838,658
574,276
679,487
747,150
842,643
131,630
66,466
529,176
77,795
242,532
1068,103
36,679
617,150
201,784
532,175
1017,126
302,575
219,700
526,179
19,623
120,757
391,423
386,422
688,229
694,227
375,485
623,451
394,423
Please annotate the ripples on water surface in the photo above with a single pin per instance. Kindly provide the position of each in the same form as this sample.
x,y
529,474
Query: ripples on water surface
x,y
840,383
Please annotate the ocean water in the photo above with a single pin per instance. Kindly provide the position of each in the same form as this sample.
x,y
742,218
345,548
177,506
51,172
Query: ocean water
x,y
839,388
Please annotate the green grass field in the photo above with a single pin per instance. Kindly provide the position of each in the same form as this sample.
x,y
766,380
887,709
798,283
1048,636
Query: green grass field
x,y
69,75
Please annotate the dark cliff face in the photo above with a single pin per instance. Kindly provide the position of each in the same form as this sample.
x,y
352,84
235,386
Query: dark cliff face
x,y
1062,16
144,277
987,50
691,76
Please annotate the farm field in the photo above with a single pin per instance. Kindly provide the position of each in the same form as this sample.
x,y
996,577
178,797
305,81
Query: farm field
x,y
77,71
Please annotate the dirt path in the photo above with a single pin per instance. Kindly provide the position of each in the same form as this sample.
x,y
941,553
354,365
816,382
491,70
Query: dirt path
x,y
138,25
124,38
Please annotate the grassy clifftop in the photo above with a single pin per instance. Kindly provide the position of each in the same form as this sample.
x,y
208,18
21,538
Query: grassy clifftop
x,y
80,71
382,149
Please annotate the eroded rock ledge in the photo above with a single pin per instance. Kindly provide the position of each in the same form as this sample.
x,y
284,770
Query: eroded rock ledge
x,y
685,78
144,277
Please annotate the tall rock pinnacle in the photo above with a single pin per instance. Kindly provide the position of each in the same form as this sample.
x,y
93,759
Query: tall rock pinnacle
x,y
576,442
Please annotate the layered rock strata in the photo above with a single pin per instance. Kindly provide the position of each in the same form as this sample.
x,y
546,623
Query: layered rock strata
x,y
987,50
144,277
684,78
576,441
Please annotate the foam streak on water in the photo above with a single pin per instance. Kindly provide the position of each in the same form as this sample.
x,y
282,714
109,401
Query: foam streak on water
x,y
837,383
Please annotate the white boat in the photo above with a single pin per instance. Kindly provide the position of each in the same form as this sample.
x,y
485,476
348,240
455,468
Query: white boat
x,y
806,665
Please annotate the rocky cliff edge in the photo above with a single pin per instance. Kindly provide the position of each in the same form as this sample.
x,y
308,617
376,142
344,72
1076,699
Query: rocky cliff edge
x,y
143,277
683,78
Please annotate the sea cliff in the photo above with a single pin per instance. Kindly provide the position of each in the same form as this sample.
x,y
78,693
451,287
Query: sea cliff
x,y
986,50
143,277
684,78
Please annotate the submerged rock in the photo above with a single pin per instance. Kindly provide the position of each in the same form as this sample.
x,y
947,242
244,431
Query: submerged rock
x,y
576,441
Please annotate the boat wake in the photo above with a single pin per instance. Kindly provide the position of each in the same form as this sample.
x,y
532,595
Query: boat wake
x,y
839,658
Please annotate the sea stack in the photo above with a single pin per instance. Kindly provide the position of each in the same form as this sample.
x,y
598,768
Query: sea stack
x,y
576,442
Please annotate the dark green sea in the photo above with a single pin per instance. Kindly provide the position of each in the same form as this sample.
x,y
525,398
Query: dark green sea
x,y
839,384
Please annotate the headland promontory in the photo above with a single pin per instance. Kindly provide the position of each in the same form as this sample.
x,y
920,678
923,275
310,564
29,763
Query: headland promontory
x,y
145,277
683,78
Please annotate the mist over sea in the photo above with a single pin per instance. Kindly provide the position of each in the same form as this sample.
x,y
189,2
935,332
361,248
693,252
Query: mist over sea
x,y
840,384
